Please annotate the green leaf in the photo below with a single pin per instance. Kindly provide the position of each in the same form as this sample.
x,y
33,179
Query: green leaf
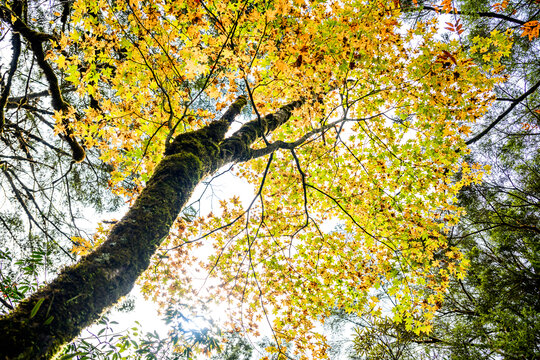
x,y
36,307
70,356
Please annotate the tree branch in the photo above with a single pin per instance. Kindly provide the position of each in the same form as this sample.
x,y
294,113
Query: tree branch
x,y
483,14
6,304
503,115
37,138
16,48
36,39
237,147
56,313
19,99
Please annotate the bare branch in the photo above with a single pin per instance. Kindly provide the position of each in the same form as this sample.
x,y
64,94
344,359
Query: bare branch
x,y
503,115
16,48
36,43
484,14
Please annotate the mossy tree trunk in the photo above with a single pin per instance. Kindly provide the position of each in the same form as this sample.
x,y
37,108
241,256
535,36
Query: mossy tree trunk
x,y
56,314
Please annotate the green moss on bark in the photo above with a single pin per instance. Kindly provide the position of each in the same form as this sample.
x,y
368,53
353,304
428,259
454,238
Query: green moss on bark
x,y
81,292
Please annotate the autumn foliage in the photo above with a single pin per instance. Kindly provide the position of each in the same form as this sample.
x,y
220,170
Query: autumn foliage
x,y
354,192
375,151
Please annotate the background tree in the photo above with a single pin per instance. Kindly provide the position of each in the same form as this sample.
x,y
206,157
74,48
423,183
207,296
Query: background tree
x,y
43,193
493,312
362,125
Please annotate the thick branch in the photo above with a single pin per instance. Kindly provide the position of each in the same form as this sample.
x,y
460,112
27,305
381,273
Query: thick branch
x,y
503,115
215,131
237,146
21,28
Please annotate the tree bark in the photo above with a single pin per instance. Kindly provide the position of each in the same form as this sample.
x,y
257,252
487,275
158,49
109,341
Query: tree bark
x,y
55,314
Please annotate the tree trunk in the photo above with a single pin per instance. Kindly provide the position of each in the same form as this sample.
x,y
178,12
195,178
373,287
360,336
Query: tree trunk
x,y
56,314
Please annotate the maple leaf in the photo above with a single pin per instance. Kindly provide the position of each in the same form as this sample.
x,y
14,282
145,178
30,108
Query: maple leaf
x,y
531,29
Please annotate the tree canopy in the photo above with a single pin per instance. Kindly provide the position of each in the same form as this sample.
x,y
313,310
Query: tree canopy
x,y
493,312
351,124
